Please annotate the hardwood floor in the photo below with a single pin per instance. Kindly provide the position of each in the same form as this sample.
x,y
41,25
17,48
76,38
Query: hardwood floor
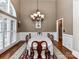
x,y
25,56
54,56
7,54
65,51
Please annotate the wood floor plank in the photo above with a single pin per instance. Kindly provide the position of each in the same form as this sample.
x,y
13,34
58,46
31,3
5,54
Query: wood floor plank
x,y
65,51
7,54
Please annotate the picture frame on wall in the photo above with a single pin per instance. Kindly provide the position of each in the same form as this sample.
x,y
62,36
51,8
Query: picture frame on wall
x,y
38,25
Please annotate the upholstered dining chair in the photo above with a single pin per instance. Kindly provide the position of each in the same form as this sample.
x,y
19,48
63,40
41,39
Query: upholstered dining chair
x,y
39,50
33,50
45,51
29,35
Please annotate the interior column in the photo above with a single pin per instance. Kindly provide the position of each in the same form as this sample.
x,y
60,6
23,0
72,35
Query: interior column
x,y
76,25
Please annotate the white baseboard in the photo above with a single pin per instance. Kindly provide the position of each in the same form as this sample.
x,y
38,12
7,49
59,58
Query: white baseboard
x,y
75,53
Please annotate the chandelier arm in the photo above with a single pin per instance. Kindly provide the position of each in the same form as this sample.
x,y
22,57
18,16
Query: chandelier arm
x,y
37,5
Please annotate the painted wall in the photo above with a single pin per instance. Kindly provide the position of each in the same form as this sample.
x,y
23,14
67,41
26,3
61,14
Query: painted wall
x,y
65,10
47,7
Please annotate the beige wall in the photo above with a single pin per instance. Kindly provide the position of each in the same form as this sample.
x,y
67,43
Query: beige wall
x,y
65,10
47,7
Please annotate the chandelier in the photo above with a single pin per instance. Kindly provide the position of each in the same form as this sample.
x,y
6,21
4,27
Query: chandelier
x,y
37,16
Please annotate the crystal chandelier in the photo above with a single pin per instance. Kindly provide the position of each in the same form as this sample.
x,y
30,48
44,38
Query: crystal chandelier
x,y
37,16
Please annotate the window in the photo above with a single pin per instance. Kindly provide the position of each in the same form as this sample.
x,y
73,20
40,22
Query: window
x,y
1,33
12,10
1,40
4,5
7,25
7,32
7,6
13,31
7,39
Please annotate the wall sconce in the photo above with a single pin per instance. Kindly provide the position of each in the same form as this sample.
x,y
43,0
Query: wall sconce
x,y
19,22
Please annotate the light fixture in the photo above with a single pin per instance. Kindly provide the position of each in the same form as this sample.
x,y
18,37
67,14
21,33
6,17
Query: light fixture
x,y
19,22
37,16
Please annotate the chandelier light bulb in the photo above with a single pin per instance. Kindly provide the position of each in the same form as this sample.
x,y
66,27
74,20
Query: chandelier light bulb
x,y
35,14
42,16
38,13
32,16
